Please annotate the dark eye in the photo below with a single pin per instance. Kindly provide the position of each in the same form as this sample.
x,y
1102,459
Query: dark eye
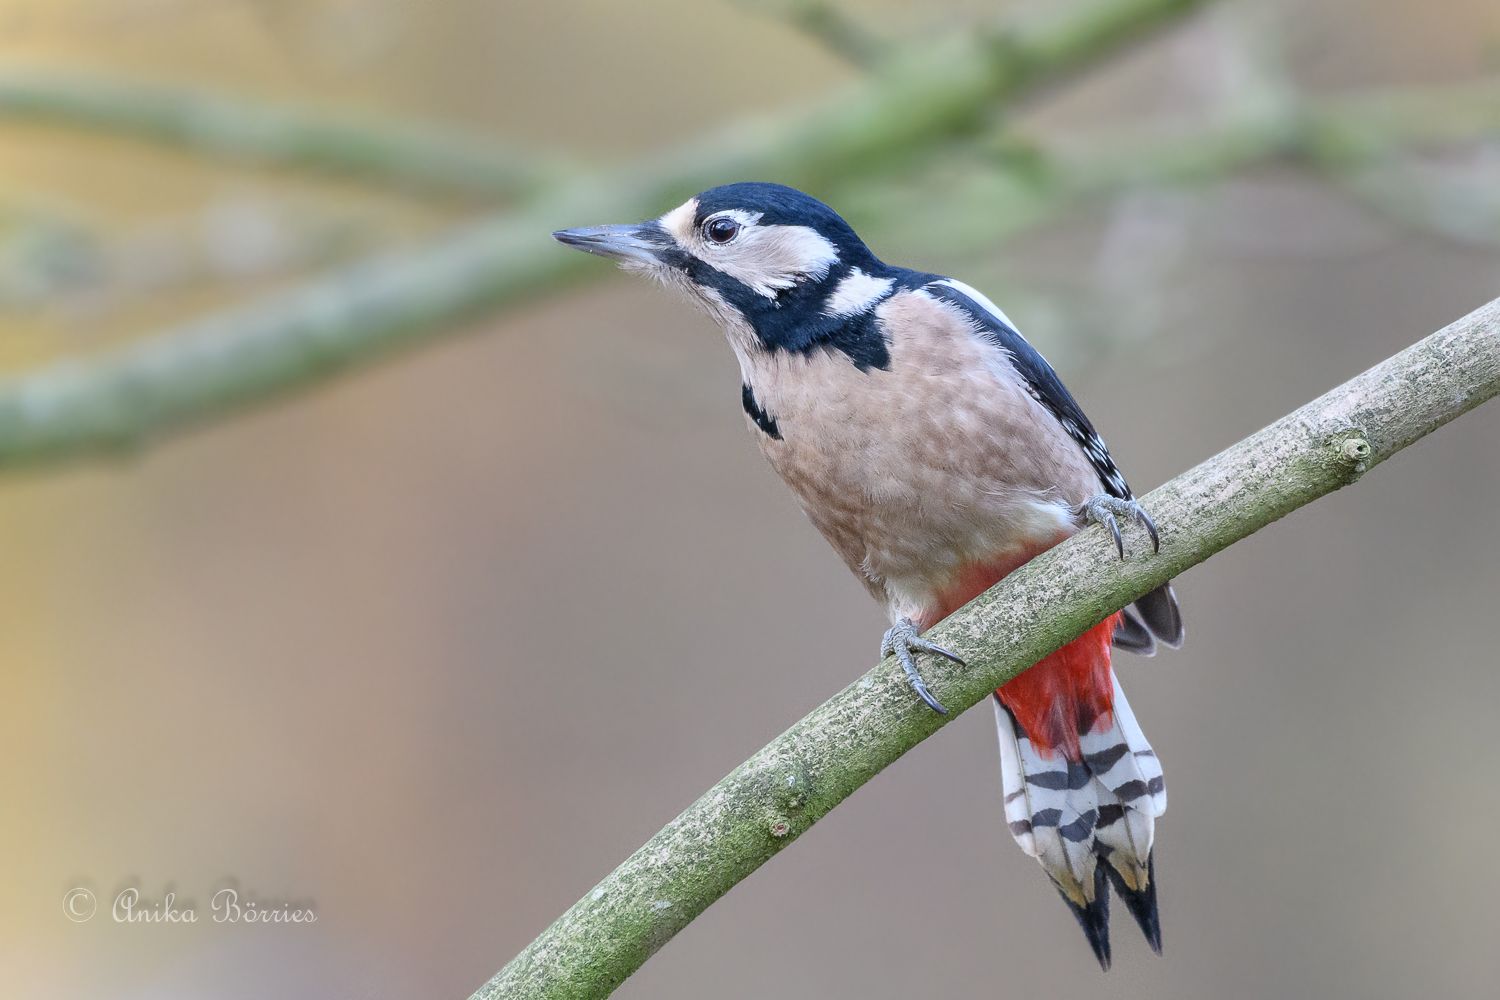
x,y
722,230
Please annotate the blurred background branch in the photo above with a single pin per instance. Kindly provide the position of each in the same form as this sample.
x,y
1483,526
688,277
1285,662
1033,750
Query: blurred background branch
x,y
218,365
925,104
830,26
273,135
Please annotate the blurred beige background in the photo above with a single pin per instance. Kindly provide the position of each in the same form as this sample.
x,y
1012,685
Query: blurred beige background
x,y
436,646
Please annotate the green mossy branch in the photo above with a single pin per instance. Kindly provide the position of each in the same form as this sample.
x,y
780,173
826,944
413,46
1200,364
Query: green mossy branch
x,y
776,795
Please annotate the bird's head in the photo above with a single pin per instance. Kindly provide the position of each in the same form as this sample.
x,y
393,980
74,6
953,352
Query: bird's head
x,y
756,255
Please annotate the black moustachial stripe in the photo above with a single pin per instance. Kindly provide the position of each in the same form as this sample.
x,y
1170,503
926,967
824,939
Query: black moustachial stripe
x,y
762,419
794,321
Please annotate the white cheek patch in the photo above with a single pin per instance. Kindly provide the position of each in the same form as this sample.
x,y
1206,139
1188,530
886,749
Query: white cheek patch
x,y
856,293
770,259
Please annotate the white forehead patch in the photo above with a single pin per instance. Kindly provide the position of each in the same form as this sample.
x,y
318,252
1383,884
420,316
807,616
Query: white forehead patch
x,y
679,221
856,293
768,259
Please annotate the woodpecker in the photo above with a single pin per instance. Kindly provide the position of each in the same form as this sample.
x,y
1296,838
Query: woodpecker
x,y
937,451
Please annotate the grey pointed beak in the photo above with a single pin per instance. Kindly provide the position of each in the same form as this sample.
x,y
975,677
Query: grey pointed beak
x,y
640,244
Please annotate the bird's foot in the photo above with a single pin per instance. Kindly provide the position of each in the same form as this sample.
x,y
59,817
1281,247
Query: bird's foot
x,y
904,639
1102,510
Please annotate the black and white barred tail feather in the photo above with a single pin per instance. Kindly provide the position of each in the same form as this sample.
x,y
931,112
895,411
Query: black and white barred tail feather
x,y
1091,822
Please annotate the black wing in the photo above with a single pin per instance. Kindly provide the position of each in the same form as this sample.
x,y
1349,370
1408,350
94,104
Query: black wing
x,y
1157,611
1041,381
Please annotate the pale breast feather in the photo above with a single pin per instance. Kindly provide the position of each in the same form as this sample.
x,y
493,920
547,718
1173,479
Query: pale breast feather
x,y
1041,381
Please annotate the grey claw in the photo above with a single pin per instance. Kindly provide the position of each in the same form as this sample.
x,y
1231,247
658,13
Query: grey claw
x,y
1149,525
933,647
921,688
1102,510
901,639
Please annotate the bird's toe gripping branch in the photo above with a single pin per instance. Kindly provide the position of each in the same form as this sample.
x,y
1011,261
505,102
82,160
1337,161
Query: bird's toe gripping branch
x,y
904,639
1102,510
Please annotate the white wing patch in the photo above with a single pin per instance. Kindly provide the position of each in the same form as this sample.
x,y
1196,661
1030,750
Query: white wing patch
x,y
856,293
981,300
